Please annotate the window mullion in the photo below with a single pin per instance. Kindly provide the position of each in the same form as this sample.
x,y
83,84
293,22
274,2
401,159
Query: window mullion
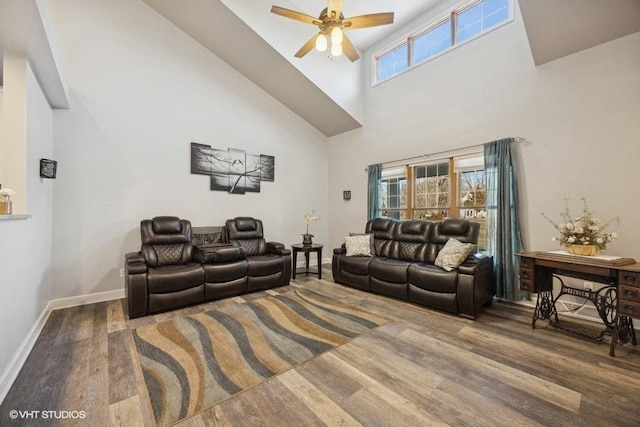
x,y
410,191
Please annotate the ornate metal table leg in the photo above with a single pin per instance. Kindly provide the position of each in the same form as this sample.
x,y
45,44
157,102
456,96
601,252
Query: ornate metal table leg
x,y
545,307
607,304
623,332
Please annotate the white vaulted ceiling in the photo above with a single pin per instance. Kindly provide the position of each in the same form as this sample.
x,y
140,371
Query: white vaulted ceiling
x,y
328,94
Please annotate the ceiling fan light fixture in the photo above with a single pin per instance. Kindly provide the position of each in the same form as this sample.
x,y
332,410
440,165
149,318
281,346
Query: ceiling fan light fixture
x,y
336,49
321,42
336,35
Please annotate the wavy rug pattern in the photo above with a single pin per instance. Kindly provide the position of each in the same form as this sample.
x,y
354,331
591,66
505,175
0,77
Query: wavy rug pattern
x,y
193,362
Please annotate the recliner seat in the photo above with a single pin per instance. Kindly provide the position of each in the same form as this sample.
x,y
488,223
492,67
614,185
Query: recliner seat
x,y
169,272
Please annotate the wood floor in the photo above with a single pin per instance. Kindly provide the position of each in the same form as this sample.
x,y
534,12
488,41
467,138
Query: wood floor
x,y
422,368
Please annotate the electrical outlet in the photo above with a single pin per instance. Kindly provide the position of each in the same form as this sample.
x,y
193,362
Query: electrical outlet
x,y
122,272
588,285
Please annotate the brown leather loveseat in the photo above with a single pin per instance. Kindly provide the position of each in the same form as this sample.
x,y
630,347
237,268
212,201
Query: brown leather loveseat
x,y
171,272
402,265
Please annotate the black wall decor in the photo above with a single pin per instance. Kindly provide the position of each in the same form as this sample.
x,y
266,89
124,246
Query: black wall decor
x,y
231,170
346,195
48,168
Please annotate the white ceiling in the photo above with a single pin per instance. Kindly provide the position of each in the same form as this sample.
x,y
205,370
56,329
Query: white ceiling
x,y
554,28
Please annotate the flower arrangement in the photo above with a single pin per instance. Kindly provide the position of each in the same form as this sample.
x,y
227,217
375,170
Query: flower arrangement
x,y
583,230
310,217
6,193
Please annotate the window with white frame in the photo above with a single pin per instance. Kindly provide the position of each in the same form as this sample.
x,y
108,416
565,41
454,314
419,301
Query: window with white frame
x,y
460,26
393,194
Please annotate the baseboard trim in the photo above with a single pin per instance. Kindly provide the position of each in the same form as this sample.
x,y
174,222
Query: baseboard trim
x,y
76,301
20,357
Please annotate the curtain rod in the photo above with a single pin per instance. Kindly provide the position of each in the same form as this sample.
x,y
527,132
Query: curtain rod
x,y
426,156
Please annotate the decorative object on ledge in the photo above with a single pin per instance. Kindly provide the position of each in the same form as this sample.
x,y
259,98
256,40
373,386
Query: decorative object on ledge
x,y
48,168
584,250
5,201
346,195
583,235
231,170
309,217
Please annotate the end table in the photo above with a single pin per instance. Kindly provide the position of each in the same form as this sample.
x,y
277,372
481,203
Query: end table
x,y
307,249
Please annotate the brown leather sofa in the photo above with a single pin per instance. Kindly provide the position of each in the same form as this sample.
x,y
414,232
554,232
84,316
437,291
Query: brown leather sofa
x,y
171,272
402,265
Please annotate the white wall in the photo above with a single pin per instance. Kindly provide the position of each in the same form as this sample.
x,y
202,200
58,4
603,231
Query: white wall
x,y
578,114
25,244
142,91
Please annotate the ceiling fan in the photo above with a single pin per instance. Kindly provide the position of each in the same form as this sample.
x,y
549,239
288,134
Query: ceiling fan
x,y
331,23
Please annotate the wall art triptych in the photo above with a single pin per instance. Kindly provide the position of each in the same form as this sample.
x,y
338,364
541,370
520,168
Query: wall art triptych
x,y
231,170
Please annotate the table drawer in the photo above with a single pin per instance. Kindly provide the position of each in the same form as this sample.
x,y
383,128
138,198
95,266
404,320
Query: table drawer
x,y
526,274
629,278
629,293
526,262
527,285
627,308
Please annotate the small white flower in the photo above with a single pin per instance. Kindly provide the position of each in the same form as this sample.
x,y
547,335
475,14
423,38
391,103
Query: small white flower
x,y
614,235
595,220
579,230
599,240
7,192
594,228
571,239
554,239
569,226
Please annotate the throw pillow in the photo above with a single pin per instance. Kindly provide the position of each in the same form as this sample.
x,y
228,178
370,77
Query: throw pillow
x,y
453,253
371,237
358,245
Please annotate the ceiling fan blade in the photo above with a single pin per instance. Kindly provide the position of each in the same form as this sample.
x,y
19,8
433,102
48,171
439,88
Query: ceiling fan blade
x,y
308,46
349,49
292,14
365,21
334,6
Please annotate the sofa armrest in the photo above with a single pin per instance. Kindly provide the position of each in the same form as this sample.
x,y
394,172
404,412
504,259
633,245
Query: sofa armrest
x,y
340,251
475,262
135,263
277,248
217,253
135,279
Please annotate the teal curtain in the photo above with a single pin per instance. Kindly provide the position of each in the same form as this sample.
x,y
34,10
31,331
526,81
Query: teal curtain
x,y
373,200
504,239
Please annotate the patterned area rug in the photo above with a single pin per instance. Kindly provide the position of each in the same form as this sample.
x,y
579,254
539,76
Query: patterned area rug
x,y
191,363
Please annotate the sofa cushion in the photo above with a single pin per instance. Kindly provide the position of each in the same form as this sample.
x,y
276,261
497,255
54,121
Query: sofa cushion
x,y
389,270
358,245
453,254
263,265
355,265
172,278
432,278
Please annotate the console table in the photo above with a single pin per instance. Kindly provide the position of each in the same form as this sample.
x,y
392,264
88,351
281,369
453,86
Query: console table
x,y
617,303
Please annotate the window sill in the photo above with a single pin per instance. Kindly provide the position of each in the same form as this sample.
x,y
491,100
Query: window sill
x,y
4,217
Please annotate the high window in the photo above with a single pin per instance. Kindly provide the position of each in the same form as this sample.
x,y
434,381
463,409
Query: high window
x,y
441,35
